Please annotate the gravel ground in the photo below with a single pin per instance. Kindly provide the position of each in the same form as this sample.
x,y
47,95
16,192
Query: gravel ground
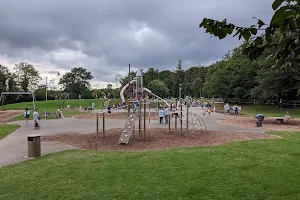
x,y
6,115
114,115
160,139
268,124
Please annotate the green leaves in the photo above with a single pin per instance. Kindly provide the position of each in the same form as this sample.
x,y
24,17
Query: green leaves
x,y
285,21
276,4
216,28
246,34
281,15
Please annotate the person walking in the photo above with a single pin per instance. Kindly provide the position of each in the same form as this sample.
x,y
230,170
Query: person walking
x,y
26,115
166,112
36,119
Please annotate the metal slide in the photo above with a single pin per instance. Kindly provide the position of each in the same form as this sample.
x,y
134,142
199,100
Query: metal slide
x,y
149,91
123,89
145,89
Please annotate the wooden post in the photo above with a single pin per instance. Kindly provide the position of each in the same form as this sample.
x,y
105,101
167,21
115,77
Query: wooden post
x,y
97,125
149,121
169,123
140,119
176,123
103,125
145,107
128,107
187,118
181,117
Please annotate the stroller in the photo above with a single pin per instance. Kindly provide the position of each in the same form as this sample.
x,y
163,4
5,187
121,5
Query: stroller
x,y
36,124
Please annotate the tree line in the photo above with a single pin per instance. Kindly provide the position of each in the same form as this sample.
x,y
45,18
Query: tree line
x,y
166,83
271,66
76,83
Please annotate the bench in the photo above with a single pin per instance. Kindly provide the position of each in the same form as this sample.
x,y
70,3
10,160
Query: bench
x,y
280,120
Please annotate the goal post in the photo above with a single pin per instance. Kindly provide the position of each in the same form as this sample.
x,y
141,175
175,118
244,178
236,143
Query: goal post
x,y
17,93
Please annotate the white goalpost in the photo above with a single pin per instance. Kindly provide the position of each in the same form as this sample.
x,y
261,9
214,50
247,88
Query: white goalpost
x,y
17,93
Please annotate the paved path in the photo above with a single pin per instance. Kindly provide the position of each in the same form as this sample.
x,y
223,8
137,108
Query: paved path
x,y
13,148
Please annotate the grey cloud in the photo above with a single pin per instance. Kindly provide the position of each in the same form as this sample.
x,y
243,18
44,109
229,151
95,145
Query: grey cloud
x,y
106,31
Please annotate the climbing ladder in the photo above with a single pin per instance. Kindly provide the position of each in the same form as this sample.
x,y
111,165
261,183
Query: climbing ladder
x,y
128,129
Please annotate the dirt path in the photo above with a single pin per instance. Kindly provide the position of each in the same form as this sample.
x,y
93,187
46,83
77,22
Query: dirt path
x,y
6,115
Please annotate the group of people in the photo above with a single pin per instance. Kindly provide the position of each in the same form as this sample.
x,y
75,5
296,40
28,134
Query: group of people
x,y
235,108
36,116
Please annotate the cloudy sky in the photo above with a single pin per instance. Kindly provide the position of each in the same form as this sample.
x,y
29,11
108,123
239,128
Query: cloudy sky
x,y
104,36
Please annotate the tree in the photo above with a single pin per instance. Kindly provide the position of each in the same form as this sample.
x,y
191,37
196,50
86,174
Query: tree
x,y
4,76
286,21
27,76
76,82
178,79
118,78
150,75
159,88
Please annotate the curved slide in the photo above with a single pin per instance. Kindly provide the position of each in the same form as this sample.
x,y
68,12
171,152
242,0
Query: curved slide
x,y
145,89
123,89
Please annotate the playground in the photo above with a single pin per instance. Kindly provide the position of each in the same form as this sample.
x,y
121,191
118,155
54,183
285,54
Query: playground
x,y
133,126
128,144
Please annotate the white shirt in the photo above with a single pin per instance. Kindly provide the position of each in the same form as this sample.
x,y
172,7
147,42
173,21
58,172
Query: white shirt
x,y
35,116
161,113
166,111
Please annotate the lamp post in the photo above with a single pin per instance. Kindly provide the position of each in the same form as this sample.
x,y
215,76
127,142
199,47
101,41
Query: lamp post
x,y
46,88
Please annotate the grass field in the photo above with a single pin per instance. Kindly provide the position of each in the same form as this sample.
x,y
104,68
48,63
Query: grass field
x,y
268,111
261,169
6,129
51,106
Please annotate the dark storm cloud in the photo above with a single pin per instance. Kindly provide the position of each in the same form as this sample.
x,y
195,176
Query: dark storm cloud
x,y
104,36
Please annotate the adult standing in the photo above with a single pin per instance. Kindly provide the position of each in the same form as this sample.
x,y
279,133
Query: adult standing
x,y
36,119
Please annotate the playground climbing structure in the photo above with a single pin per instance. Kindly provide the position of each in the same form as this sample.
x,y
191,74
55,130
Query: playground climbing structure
x,y
136,125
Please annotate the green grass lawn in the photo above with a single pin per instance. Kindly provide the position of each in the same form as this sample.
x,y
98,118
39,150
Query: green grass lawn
x,y
268,111
261,169
6,129
51,106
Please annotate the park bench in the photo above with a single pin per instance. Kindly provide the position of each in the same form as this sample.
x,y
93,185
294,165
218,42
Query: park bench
x,y
279,120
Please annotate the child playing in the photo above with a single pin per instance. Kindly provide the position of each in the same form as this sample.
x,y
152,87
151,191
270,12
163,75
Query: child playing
x,y
45,115
203,112
161,114
166,112
26,115
208,111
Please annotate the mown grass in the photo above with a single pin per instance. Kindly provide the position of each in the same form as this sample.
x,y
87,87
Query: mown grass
x,y
6,129
51,107
261,169
268,111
